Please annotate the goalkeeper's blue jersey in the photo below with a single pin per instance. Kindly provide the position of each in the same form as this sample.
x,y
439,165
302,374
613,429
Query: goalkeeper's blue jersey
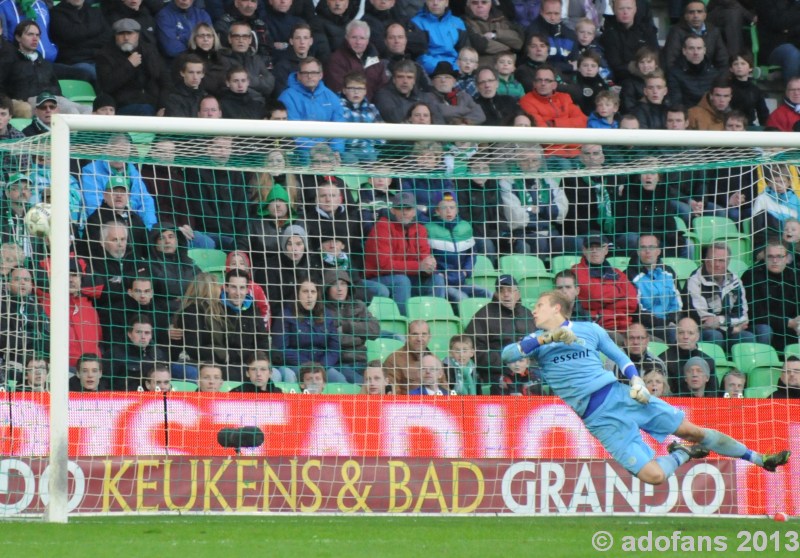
x,y
574,372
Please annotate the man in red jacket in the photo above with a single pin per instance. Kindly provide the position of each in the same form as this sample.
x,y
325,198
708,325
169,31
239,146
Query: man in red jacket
x,y
786,117
606,293
398,255
550,108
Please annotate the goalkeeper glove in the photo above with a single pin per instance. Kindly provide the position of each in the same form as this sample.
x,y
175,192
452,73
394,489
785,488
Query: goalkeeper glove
x,y
560,335
512,353
639,391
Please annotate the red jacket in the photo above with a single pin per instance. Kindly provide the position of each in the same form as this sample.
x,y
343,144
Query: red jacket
x,y
556,111
392,248
783,118
612,298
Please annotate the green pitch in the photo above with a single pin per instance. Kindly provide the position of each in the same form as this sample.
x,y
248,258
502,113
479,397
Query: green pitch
x,y
379,537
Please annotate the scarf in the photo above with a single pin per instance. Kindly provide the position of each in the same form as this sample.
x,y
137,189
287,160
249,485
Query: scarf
x,y
28,8
452,97
791,105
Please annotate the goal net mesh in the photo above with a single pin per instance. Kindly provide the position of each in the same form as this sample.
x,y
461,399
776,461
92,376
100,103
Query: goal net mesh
x,y
248,316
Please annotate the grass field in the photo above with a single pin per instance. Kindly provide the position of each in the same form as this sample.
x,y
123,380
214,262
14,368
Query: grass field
x,y
373,537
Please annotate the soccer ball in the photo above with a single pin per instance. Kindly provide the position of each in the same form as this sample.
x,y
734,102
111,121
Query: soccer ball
x,y
37,220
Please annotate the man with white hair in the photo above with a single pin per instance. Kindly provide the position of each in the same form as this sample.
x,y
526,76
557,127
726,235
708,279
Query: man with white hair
x,y
355,54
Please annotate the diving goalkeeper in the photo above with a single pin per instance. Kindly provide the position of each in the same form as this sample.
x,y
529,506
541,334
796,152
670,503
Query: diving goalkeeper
x,y
569,358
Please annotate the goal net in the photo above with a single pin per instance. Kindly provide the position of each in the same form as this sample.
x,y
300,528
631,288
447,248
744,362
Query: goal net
x,y
239,317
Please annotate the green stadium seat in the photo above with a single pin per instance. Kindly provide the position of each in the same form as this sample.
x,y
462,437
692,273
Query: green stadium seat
x,y
721,363
468,307
656,347
228,386
706,230
763,377
683,267
531,287
522,265
77,90
760,392
738,267
288,387
752,356
209,260
560,263
386,312
429,308
335,388
20,123
11,386
619,262
440,346
484,274
379,349
791,350
180,385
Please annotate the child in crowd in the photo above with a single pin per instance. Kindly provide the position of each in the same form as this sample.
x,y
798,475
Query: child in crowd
x,y
460,362
605,113
427,157
656,381
356,108
458,153
589,81
313,378
586,32
644,63
747,96
375,381
517,379
209,378
775,204
505,65
467,64
259,374
376,194
452,244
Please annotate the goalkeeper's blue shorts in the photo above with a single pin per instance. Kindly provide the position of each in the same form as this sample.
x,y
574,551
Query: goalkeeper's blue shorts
x,y
618,420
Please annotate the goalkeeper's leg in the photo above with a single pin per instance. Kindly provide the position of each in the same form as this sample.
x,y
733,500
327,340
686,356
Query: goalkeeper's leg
x,y
725,445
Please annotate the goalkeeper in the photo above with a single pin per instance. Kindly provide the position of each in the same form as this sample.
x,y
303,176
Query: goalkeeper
x,y
569,359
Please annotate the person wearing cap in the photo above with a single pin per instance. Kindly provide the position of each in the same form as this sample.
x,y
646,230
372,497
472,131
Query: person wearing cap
x,y
397,253
446,33
79,30
45,106
495,324
271,219
294,263
695,380
140,11
131,71
606,293
307,98
116,208
104,105
14,203
174,25
451,101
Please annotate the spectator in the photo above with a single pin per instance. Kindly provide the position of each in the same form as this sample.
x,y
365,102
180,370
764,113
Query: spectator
x,y
209,378
294,264
8,132
89,374
307,98
451,102
606,111
747,96
479,203
313,378
605,291
659,299
274,215
45,106
624,35
504,320
431,376
730,16
778,25
490,31
656,381
131,71
78,31
786,118
396,98
644,63
200,301
259,375
498,109
637,339
204,44
357,108
12,14
37,375
13,206
243,53
375,382
281,23
461,365
589,80
561,37
25,327
104,105
218,195
696,380
175,23
138,300
241,261
397,253
676,356
184,100
300,44
567,284
140,11
306,332
446,34
504,65
399,46
537,49
773,288
29,74
353,321
693,73
718,298
733,384
402,367
131,358
246,12
428,157
789,382
694,24
517,379
587,41
209,108
709,113
96,175
328,27
382,14
239,100
652,110
777,203
467,64
355,54
157,378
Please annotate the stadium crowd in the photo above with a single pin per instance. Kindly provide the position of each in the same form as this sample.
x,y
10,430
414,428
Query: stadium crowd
x,y
309,257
